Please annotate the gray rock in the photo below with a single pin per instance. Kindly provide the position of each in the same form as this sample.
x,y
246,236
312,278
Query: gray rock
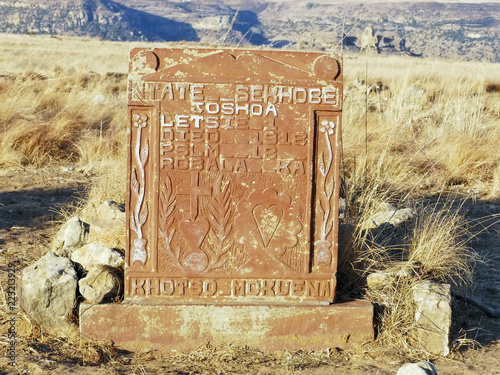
x,y
70,237
433,315
102,284
420,368
92,255
48,294
378,87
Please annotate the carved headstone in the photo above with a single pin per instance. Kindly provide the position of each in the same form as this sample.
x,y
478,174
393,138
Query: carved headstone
x,y
233,176
232,211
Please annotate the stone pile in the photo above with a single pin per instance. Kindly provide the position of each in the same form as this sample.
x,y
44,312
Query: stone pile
x,y
85,260
433,313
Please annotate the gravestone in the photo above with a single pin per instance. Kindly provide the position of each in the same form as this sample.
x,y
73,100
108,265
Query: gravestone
x,y
232,212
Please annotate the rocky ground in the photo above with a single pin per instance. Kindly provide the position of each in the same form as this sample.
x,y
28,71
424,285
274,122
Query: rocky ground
x,y
34,202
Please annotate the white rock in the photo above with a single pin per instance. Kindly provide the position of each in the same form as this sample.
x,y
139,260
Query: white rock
x,y
433,315
342,207
110,210
381,278
92,255
102,284
416,91
108,228
48,293
70,237
98,100
359,83
395,217
421,368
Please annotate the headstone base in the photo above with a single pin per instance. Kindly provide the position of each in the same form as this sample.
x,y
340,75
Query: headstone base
x,y
182,328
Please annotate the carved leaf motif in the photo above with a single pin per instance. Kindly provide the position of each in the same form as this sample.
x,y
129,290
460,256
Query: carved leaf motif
x,y
144,214
329,227
219,240
145,153
321,163
329,189
135,183
163,235
133,225
321,208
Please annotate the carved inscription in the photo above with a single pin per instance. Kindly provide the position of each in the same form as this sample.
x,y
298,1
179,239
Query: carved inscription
x,y
264,288
233,176
243,133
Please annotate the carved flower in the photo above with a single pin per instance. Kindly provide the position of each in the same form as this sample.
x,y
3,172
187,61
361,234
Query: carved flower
x,y
327,127
140,120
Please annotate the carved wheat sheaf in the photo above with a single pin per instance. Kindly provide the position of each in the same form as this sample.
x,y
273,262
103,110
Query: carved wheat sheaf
x,y
140,214
220,237
167,206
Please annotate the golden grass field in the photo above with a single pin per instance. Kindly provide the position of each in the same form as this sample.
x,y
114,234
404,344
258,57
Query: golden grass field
x,y
426,136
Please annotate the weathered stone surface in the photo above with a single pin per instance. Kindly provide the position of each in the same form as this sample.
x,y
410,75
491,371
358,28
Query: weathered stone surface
x,y
233,176
420,368
101,284
108,228
92,255
48,294
187,327
433,315
72,235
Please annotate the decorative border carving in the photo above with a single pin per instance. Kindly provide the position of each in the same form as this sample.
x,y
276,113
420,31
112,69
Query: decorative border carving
x,y
323,247
140,214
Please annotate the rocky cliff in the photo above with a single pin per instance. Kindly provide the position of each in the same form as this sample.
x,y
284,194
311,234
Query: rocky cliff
x,y
95,18
115,21
450,30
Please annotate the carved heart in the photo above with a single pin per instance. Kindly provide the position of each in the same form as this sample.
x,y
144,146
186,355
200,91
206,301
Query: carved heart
x,y
194,232
267,220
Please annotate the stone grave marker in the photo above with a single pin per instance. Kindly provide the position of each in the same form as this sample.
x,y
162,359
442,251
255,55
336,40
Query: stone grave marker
x,y
232,211
233,176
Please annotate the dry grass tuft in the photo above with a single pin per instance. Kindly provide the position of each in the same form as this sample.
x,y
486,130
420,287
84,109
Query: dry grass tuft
x,y
438,244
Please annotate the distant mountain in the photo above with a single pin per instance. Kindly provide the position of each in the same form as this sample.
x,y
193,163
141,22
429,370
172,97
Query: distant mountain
x,y
115,20
469,31
96,18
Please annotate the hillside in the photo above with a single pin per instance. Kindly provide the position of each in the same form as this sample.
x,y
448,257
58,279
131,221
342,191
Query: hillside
x,y
457,30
